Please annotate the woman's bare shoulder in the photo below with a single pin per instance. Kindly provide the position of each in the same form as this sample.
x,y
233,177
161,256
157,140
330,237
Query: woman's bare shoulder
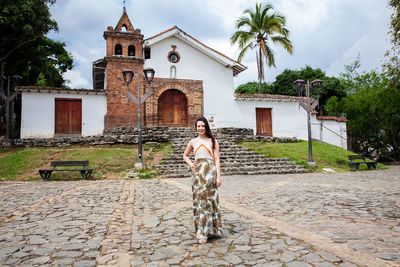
x,y
192,141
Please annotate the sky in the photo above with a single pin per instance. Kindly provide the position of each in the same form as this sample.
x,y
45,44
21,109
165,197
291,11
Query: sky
x,y
326,34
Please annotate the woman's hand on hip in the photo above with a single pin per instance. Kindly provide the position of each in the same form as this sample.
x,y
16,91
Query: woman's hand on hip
x,y
194,164
218,182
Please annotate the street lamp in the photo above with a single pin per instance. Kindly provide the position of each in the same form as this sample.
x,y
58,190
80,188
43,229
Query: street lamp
x,y
12,82
128,76
308,103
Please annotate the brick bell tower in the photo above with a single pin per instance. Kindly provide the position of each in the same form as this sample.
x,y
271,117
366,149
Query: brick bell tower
x,y
124,51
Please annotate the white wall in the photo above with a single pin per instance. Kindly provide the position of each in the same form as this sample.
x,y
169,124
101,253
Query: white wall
x,y
330,131
290,121
287,119
38,113
217,78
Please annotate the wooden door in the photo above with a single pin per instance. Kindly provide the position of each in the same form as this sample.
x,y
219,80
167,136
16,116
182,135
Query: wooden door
x,y
264,121
68,116
172,109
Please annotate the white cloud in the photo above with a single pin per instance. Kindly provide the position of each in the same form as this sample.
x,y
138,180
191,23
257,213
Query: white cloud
x,y
326,34
76,80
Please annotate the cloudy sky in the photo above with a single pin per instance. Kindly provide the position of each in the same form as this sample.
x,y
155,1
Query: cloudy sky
x,y
326,34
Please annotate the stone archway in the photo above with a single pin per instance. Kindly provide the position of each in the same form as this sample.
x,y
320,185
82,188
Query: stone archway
x,y
173,109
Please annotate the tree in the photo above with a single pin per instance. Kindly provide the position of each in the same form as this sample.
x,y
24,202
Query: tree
x,y
372,108
331,86
252,88
395,21
24,48
283,84
392,65
261,29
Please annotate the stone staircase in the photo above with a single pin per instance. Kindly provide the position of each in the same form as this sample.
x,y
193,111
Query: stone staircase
x,y
235,160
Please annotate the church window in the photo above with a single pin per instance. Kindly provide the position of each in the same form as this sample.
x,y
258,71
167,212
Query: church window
x,y
124,28
172,72
147,53
118,50
174,58
131,51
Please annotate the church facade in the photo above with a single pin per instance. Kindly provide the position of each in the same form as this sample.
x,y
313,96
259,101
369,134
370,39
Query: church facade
x,y
191,80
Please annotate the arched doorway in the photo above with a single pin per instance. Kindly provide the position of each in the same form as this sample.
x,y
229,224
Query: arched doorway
x,y
172,109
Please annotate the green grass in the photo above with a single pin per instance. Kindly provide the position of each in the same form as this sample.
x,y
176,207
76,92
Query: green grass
x,y
325,155
20,161
108,162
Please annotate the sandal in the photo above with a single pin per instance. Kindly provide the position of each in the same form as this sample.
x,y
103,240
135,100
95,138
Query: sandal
x,y
202,239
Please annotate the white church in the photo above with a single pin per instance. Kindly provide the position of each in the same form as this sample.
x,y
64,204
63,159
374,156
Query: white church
x,y
191,80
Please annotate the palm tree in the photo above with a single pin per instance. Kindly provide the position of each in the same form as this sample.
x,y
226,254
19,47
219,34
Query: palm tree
x,y
261,29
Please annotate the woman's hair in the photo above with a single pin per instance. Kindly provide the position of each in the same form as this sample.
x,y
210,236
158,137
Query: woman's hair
x,y
208,130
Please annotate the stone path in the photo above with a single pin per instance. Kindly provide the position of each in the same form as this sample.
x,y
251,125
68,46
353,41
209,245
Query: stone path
x,y
342,219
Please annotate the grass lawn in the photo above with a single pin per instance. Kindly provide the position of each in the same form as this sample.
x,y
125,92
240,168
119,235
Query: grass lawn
x,y
325,155
108,162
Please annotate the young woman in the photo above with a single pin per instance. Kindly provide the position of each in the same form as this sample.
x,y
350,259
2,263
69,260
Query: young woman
x,y
205,181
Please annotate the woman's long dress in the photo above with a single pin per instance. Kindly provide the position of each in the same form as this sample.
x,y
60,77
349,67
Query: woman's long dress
x,y
207,217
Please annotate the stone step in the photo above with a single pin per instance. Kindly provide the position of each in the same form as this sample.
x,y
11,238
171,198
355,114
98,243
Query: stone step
x,y
236,151
178,158
258,160
235,160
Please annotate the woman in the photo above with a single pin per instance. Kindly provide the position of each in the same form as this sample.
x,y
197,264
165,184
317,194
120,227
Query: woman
x,y
206,179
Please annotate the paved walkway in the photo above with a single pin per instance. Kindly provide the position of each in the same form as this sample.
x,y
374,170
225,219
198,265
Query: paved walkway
x,y
341,219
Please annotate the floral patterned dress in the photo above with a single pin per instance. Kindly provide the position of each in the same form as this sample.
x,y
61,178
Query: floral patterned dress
x,y
206,211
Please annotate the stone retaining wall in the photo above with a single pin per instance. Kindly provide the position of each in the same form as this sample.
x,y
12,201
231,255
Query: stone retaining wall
x,y
129,135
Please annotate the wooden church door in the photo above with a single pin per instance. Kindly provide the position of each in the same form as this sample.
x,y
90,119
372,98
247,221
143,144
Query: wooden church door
x,y
264,121
172,109
68,116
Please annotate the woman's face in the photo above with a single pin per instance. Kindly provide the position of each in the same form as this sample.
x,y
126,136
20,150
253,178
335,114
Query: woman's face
x,y
201,127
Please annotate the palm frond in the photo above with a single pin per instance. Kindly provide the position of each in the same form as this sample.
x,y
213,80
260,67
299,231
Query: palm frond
x,y
243,52
284,42
262,25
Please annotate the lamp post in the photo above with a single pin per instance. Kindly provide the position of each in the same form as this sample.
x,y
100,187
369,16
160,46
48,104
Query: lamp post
x,y
308,104
12,82
128,75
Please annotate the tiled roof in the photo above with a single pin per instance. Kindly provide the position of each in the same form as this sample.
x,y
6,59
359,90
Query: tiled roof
x,y
266,97
44,89
236,69
340,119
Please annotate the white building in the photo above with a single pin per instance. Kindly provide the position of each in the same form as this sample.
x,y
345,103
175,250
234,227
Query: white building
x,y
191,80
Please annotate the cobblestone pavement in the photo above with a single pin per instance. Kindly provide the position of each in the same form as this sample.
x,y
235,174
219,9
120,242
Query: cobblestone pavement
x,y
342,219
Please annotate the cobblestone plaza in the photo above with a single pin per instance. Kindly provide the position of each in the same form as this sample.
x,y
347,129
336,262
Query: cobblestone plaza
x,y
319,219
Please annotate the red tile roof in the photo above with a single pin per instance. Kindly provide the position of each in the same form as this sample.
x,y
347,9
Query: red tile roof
x,y
265,97
44,89
339,119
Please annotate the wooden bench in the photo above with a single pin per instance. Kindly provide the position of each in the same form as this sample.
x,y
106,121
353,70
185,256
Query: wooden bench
x,y
85,172
356,164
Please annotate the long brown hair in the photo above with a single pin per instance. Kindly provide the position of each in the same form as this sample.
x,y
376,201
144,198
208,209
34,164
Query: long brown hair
x,y
208,130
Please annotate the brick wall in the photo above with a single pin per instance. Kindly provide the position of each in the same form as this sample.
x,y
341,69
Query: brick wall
x,y
193,90
120,111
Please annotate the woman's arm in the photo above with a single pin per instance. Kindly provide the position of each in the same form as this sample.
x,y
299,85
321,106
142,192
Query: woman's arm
x,y
188,150
217,164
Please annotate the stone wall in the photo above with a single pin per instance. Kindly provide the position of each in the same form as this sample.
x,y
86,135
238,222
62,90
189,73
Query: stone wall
x,y
129,135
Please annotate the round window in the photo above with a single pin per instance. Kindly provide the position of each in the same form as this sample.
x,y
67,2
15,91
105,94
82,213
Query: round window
x,y
173,58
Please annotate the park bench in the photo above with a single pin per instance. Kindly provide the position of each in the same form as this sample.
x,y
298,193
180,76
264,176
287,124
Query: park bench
x,y
85,172
355,161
